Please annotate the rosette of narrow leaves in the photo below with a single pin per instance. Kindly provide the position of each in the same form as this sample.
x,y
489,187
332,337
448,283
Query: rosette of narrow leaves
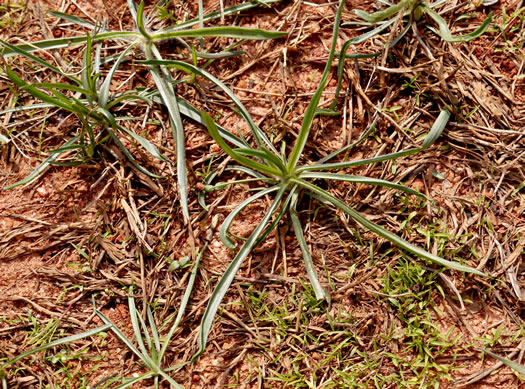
x,y
409,11
148,41
90,100
147,344
287,180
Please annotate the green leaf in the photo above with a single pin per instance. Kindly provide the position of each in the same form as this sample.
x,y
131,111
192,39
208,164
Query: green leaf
x,y
224,283
47,44
19,50
4,139
437,128
140,22
445,32
359,162
60,85
130,381
162,80
320,292
125,97
119,333
264,155
74,19
259,135
223,231
362,180
513,365
58,342
130,156
150,147
212,128
193,113
226,32
277,219
42,167
314,102
350,146
377,229
138,335
370,34
184,302
222,54
217,14
37,93
382,15
103,97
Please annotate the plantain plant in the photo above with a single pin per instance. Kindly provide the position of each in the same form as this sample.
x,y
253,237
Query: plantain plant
x,y
97,106
287,180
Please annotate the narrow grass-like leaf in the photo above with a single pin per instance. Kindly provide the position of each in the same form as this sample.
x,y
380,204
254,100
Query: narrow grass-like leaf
x,y
259,135
362,180
74,19
264,155
222,54
130,156
150,147
27,108
513,365
132,6
58,342
126,97
437,128
350,146
37,93
217,14
377,229
370,34
314,102
184,302
134,314
445,32
284,210
222,185
47,44
224,284
59,43
104,89
162,80
226,32
320,293
170,380
19,50
131,381
42,167
60,85
210,124
154,332
359,162
223,231
4,139
193,113
120,334
140,22
400,36
382,15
